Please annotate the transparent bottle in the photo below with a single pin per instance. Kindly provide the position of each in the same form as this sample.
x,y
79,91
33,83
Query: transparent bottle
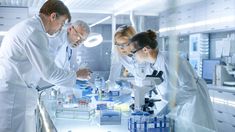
x,y
60,99
98,85
145,121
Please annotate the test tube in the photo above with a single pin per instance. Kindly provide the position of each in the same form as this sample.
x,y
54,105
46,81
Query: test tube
x,y
161,128
172,125
130,124
155,122
134,122
164,121
145,126
135,126
146,121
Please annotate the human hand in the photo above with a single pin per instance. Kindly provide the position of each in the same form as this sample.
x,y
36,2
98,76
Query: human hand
x,y
84,74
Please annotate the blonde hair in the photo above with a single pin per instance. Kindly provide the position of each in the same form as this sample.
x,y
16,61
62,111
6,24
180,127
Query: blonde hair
x,y
124,31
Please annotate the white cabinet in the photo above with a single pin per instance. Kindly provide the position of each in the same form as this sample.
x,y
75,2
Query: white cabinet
x,y
232,119
225,127
9,16
198,50
224,109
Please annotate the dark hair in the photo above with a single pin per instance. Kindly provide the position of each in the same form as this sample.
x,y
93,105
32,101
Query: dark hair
x,y
145,39
55,6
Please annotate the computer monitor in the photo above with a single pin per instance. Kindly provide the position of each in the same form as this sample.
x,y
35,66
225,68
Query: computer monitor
x,y
208,69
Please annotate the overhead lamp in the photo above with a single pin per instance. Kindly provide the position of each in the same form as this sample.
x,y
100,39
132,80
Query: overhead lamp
x,y
3,33
100,21
93,40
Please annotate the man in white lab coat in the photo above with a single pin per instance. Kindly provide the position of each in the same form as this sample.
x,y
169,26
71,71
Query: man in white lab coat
x,y
24,58
65,45
64,48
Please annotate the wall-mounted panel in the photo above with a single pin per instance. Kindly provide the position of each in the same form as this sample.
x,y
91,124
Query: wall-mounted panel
x,y
204,16
9,16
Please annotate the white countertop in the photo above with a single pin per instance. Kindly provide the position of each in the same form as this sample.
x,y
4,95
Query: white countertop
x,y
83,125
92,125
221,88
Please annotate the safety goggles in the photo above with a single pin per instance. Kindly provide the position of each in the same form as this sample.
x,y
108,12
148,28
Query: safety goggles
x,y
123,27
124,45
135,51
79,36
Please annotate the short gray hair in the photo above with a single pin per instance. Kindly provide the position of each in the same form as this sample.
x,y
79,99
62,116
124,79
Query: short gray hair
x,y
82,24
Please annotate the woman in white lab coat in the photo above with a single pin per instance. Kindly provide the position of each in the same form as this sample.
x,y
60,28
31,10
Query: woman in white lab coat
x,y
24,58
120,57
186,92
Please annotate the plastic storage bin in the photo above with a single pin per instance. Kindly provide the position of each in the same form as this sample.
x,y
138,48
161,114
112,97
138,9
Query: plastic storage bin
x,y
75,113
143,122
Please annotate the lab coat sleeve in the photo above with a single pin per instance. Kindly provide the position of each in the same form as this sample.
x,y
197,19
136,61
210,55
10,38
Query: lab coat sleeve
x,y
118,61
115,68
127,64
185,82
186,74
60,59
36,48
137,70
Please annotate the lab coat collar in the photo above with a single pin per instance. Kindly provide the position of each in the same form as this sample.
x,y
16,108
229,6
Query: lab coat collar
x,y
65,36
158,61
40,20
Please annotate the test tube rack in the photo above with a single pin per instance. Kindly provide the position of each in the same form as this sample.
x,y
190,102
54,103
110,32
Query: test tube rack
x,y
150,124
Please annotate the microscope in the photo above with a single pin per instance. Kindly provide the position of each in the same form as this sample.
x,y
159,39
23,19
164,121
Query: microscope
x,y
149,84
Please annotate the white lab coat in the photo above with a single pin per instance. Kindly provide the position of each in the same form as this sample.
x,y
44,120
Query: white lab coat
x,y
191,93
65,57
24,58
137,70
62,52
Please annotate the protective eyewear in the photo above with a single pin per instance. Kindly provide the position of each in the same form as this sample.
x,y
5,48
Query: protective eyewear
x,y
123,27
122,45
135,51
79,36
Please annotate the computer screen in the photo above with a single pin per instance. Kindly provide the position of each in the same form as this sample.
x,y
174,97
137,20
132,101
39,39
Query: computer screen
x,y
208,69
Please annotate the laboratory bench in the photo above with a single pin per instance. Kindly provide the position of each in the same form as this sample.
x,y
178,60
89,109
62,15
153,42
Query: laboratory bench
x,y
221,88
50,122
77,124
83,122
223,101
